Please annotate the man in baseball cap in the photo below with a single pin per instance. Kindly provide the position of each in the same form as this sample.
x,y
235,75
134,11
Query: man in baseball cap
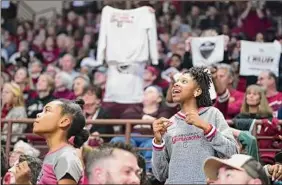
x,y
239,169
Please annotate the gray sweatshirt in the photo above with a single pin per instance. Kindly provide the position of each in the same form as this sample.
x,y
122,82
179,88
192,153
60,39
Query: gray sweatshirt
x,y
180,157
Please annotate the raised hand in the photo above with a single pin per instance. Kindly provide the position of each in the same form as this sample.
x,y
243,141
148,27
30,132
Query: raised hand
x,y
193,118
219,83
188,44
159,128
152,10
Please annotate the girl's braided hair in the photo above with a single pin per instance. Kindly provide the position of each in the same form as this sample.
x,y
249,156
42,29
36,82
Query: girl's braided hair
x,y
203,78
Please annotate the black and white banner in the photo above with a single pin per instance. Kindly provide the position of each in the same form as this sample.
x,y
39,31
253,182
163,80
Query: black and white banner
x,y
257,57
207,50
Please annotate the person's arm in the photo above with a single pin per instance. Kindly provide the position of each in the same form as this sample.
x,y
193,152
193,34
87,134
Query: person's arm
x,y
247,10
160,142
152,36
260,13
169,93
235,107
160,161
102,41
221,137
216,131
222,103
243,123
187,60
249,143
68,169
223,93
226,57
13,58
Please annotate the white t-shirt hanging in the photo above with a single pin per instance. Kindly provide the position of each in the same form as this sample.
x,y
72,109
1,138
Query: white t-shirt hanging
x,y
257,57
127,36
207,50
124,83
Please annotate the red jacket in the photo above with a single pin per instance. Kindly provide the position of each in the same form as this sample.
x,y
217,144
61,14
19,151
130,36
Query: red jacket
x,y
268,128
275,102
234,103
229,103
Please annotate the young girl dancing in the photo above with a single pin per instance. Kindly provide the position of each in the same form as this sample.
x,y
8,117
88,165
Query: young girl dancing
x,y
182,143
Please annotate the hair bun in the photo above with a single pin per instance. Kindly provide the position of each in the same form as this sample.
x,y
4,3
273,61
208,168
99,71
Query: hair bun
x,y
80,138
80,102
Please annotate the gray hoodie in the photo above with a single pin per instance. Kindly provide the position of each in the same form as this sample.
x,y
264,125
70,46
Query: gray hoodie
x,y
180,158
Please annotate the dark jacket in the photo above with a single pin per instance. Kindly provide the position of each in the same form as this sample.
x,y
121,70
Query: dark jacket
x,y
280,113
36,105
244,121
103,129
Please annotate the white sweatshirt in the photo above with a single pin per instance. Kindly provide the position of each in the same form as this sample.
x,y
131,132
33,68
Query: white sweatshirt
x,y
127,36
125,83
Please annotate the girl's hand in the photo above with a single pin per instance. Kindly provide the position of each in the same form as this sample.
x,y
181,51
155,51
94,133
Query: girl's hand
x,y
23,173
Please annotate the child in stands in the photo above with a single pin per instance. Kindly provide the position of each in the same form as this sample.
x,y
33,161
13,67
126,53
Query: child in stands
x,y
182,143
60,121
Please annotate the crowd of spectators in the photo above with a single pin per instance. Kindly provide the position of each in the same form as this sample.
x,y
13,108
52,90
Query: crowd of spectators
x,y
55,58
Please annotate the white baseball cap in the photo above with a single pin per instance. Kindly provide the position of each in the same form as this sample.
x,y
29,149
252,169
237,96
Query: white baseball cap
x,y
239,162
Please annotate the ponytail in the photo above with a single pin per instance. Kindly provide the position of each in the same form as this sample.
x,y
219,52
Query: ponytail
x,y
76,134
80,138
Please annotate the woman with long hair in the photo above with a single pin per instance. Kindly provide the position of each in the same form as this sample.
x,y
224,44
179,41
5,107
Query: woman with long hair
x,y
256,102
12,108
255,106
23,79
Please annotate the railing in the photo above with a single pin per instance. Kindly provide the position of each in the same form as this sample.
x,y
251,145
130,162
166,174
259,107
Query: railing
x,y
127,123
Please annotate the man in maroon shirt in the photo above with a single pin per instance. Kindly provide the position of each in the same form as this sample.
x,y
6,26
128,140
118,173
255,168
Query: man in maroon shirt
x,y
268,81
